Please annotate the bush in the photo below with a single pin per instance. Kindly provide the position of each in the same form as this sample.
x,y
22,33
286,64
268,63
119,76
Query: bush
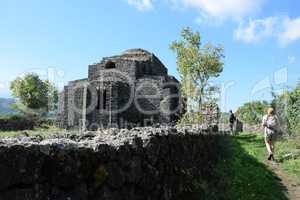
x,y
287,106
191,118
224,118
252,112
15,123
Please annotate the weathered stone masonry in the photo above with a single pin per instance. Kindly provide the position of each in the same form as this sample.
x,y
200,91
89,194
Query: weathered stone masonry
x,y
136,164
135,74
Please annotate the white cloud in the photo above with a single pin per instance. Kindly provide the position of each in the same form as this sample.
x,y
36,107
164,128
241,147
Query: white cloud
x,y
141,5
221,9
283,29
210,11
291,30
255,30
208,20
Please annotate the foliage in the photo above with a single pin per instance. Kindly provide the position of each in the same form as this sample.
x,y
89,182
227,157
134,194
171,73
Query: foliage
x,y
288,153
224,117
287,106
197,64
11,116
252,112
34,94
191,118
15,122
209,115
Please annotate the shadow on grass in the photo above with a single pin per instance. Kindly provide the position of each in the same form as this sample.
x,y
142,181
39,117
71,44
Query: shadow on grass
x,y
242,176
239,175
251,138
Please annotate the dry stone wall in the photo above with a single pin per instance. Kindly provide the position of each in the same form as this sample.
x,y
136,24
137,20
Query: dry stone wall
x,y
141,163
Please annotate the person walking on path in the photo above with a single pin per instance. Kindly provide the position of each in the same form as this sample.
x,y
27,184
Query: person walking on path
x,y
270,125
232,119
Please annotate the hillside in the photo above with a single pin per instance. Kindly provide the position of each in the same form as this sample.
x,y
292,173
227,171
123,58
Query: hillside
x,y
5,105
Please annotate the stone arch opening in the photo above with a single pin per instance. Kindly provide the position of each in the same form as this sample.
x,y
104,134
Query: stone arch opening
x,y
110,65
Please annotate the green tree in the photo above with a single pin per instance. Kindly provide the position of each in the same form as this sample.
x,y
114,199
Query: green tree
x,y
34,93
287,106
252,112
197,64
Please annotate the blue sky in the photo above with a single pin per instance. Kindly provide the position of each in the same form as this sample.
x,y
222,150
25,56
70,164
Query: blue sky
x,y
261,38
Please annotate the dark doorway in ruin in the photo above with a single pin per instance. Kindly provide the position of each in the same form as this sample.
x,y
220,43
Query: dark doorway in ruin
x,y
98,99
104,99
110,65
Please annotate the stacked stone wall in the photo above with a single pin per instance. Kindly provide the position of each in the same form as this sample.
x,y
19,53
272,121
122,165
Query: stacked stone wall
x,y
141,163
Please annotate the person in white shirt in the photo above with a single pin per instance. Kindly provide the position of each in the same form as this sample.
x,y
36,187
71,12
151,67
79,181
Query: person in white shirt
x,y
270,125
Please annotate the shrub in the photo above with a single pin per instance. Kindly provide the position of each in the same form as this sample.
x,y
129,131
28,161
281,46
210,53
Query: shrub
x,y
287,106
15,123
252,112
191,118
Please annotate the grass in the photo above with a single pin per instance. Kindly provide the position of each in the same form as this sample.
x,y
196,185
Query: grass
x,y
244,172
37,131
288,153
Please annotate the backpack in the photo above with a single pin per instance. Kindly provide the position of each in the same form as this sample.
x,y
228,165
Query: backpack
x,y
272,124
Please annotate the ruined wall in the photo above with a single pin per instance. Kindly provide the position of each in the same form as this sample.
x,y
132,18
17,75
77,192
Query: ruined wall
x,y
126,67
171,104
104,99
73,104
141,163
150,67
132,69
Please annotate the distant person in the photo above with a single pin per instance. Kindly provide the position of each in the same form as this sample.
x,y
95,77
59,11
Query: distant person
x,y
232,119
270,124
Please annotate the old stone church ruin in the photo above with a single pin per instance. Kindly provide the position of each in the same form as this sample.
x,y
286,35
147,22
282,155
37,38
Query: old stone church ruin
x,y
131,89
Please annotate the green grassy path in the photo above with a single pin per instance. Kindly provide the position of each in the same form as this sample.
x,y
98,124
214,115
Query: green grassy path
x,y
285,151
245,174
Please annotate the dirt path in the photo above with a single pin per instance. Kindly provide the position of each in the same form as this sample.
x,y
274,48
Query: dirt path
x,y
293,186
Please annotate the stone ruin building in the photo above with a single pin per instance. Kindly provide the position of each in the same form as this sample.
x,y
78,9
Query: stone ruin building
x,y
131,89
